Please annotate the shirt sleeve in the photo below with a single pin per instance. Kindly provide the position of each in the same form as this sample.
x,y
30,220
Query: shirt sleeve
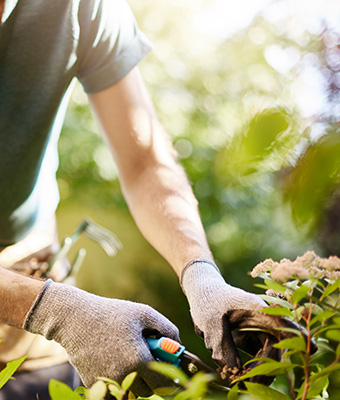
x,y
110,43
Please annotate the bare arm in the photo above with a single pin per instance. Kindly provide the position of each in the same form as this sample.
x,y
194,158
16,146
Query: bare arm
x,y
17,294
154,184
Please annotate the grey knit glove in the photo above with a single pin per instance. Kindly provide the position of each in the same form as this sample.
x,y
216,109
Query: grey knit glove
x,y
102,336
219,310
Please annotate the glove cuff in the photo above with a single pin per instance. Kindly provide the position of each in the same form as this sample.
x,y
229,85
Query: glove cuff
x,y
191,264
36,302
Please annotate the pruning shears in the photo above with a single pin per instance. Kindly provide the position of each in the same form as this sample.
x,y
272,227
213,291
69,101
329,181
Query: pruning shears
x,y
170,351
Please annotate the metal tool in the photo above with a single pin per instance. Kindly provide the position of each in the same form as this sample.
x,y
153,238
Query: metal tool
x,y
168,350
105,238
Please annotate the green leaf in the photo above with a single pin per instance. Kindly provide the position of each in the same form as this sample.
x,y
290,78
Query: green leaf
x,y
97,391
322,316
198,385
333,334
165,391
170,371
275,286
292,285
287,354
295,343
290,330
115,391
108,380
181,396
233,393
281,311
298,313
330,289
128,381
314,177
131,396
80,390
9,370
265,359
271,368
257,142
276,300
263,131
299,294
316,309
261,286
264,276
59,390
317,331
323,345
317,387
264,392
325,371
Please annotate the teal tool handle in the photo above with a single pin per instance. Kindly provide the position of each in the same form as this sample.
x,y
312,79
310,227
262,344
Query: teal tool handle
x,y
166,349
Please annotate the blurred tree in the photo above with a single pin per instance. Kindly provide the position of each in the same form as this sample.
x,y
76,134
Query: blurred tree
x,y
313,184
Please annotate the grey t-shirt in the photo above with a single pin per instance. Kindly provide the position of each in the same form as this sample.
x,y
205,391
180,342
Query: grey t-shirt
x,y
43,46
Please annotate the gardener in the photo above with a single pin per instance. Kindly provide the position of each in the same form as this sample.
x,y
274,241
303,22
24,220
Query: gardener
x,y
43,46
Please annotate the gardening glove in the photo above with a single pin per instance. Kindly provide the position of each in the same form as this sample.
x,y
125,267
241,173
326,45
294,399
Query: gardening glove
x,y
219,311
103,337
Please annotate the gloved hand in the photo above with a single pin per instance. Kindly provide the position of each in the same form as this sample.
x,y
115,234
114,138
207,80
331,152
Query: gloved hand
x,y
102,336
219,310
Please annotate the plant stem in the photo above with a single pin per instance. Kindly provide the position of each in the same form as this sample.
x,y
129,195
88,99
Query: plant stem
x,y
291,387
308,350
335,362
125,395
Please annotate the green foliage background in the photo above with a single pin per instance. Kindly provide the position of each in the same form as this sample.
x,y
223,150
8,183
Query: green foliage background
x,y
232,110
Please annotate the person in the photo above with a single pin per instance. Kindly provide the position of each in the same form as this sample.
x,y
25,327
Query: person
x,y
44,46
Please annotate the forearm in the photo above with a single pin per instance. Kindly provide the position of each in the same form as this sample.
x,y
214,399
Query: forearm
x,y
155,186
17,294
165,210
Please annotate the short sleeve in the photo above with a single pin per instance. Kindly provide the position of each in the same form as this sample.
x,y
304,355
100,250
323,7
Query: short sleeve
x,y
110,43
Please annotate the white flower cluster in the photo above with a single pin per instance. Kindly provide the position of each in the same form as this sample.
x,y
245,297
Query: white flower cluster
x,y
304,267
